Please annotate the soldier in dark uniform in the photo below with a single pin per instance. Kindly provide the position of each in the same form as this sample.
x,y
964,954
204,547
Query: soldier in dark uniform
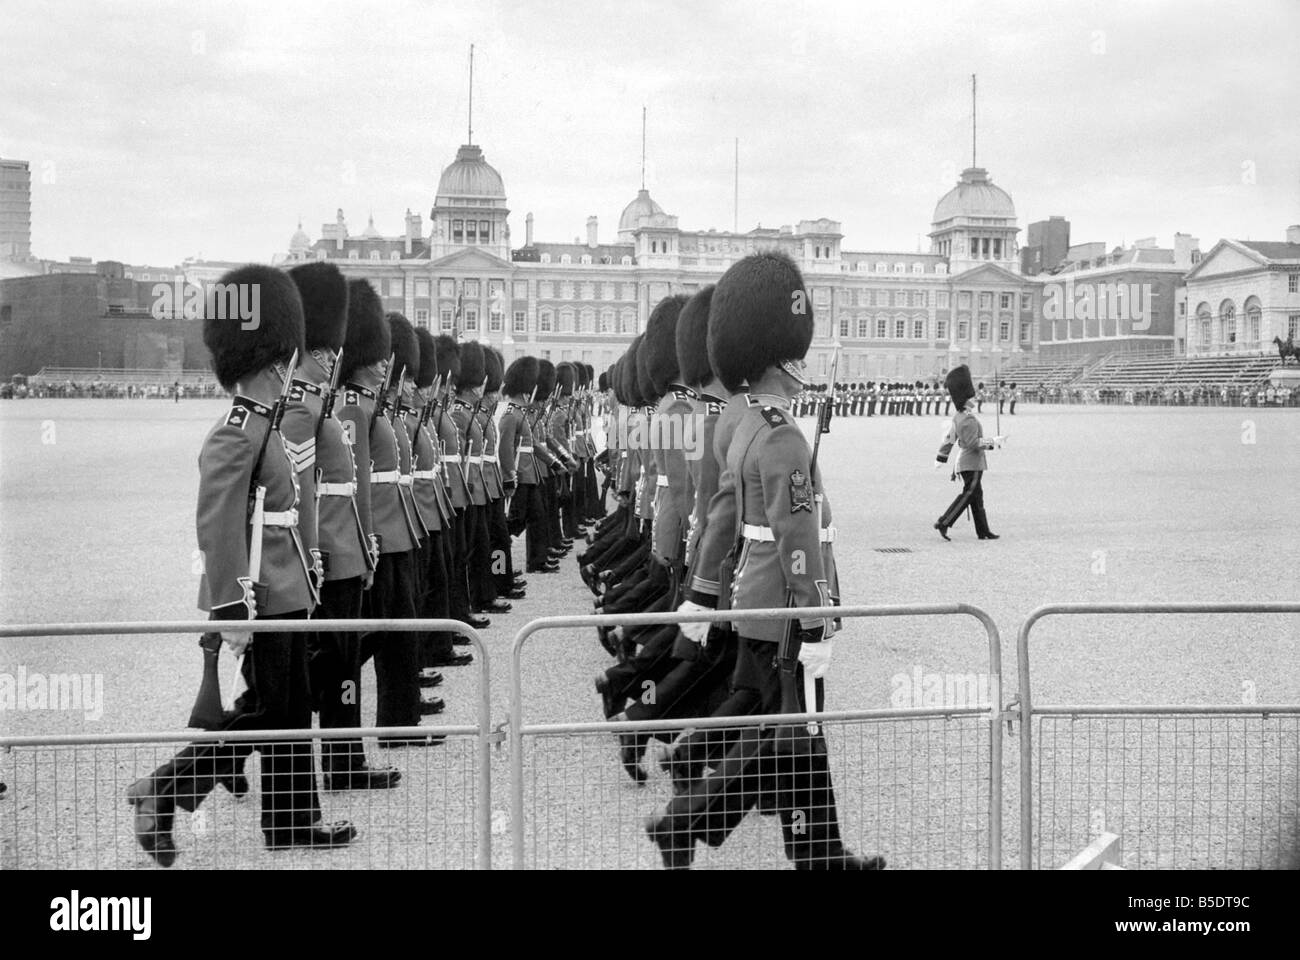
x,y
236,466
342,543
519,465
967,434
774,500
508,585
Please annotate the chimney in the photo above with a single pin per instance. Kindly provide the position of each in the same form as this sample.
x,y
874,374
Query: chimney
x,y
528,230
1293,233
1184,245
342,233
591,232
414,229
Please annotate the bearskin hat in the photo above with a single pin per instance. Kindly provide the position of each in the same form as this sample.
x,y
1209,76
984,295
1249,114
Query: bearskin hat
x,y
588,374
545,379
583,372
760,315
627,373
566,376
406,348
660,344
495,366
448,353
603,383
521,377
237,349
959,387
369,338
1011,385
473,369
428,359
324,294
645,384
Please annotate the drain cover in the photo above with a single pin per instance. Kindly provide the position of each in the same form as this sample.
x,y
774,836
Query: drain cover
x,y
893,549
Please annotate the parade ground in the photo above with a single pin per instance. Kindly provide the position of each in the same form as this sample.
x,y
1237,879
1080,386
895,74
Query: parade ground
x,y
97,502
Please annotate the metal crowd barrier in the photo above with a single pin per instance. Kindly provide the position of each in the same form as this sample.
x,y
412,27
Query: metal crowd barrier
x,y
1181,785
66,803
922,786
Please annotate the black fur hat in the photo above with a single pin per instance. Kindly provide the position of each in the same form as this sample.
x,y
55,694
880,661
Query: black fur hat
x,y
1011,385
566,376
448,351
324,294
521,377
588,373
603,383
959,387
238,350
583,372
660,345
473,369
428,358
627,375
761,314
495,367
545,379
616,381
369,338
406,348
645,384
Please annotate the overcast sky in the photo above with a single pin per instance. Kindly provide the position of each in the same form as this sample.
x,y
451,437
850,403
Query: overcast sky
x,y
158,131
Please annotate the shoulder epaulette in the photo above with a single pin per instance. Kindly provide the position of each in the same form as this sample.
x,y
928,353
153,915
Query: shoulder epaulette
x,y
682,392
774,416
356,388
240,410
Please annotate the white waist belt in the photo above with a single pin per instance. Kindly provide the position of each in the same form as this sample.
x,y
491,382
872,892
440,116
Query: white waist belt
x,y
450,458
491,459
385,476
752,531
425,474
405,479
525,448
337,489
475,460
281,518
661,481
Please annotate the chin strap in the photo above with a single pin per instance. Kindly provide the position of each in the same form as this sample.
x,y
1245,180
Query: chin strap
x,y
791,367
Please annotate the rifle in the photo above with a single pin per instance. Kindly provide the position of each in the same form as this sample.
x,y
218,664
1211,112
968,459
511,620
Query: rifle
x,y
327,404
208,713
788,649
383,390
397,401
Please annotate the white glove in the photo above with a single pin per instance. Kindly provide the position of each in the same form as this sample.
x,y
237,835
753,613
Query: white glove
x,y
999,440
816,658
238,642
695,632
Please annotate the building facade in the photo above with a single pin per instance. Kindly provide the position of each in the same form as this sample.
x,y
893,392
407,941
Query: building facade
x,y
15,210
1242,295
894,315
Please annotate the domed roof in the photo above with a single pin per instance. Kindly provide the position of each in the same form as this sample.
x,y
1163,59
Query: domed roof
x,y
471,176
370,233
642,206
974,196
300,241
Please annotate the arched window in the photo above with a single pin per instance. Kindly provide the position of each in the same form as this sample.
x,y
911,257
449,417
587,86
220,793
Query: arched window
x,y
1253,314
1228,321
587,321
627,320
864,328
607,321
566,320
1206,324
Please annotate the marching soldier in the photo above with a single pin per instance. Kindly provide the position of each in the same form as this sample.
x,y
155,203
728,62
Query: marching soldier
x,y
255,567
775,497
519,465
967,434
508,585
329,490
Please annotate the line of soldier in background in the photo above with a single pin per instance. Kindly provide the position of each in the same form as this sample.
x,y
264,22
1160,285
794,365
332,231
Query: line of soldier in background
x,y
870,398
720,505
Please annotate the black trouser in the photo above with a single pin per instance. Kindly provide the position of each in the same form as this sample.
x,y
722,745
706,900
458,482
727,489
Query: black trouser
x,y
278,698
396,656
1013,407
551,497
696,683
972,494
458,565
335,660
503,564
595,502
567,499
436,599
482,585
526,516
755,773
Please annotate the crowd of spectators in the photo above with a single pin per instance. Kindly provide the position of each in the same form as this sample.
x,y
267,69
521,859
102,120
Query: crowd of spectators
x,y
100,389
1188,395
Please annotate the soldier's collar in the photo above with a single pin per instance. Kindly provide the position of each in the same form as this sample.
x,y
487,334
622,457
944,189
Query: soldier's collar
x,y
364,391
708,397
681,391
307,386
772,400
251,405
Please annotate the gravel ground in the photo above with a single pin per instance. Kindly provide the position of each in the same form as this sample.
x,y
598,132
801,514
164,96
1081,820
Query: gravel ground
x,y
1120,504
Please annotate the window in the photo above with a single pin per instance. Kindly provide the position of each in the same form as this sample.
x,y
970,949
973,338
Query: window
x,y
821,296
941,299
354,255
986,301
566,320
864,297
918,329
921,298
521,289
471,289
587,321
444,320
900,268
607,321
447,288
1004,330
588,291
900,298
1292,282
918,268
963,300
881,266
844,327
900,328
984,329
1004,301
484,231
1293,327
471,231
626,261
496,320
546,290
963,329
880,328
471,319
1025,303
1228,317
395,288
1026,331
374,254
394,255
458,231
566,291
320,253
421,318
546,355
545,323
864,328
421,288
546,258
627,321
585,259
941,329
521,322
1182,308
496,290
